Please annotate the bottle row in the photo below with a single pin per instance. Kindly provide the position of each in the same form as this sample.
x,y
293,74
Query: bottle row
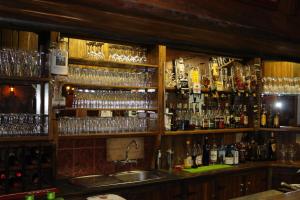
x,y
25,168
210,112
203,154
219,73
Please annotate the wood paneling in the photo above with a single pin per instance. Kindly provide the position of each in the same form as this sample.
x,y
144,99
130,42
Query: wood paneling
x,y
237,28
19,39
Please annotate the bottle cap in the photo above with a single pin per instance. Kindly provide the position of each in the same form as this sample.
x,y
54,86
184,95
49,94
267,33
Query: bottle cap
x,y
50,195
29,197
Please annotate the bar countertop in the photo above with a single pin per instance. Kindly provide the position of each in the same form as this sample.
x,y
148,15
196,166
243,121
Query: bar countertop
x,y
68,190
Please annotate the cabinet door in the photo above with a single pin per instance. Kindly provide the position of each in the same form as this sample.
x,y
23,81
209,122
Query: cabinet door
x,y
230,186
256,181
288,175
171,191
200,189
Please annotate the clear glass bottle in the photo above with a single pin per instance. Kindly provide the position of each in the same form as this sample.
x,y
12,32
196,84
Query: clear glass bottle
x,y
58,58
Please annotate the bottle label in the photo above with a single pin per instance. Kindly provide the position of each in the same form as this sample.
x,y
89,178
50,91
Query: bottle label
x,y
276,121
188,162
213,155
199,160
263,120
273,146
59,64
246,121
229,160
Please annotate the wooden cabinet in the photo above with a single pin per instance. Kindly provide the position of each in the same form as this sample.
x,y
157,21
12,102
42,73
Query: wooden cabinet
x,y
161,191
200,188
255,181
231,186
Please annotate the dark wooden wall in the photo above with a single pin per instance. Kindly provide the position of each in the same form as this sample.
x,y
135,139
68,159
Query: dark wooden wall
x,y
266,28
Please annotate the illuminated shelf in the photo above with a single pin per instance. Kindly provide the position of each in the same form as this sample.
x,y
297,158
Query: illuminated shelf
x,y
281,129
84,85
24,138
108,63
209,131
108,135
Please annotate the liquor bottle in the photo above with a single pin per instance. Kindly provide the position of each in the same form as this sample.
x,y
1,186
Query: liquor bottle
x,y
235,153
276,120
194,156
174,126
58,58
242,152
206,152
272,147
2,181
263,118
213,154
227,116
221,154
246,118
188,157
229,159
199,155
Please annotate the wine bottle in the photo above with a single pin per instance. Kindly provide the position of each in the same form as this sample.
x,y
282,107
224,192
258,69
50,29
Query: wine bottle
x,y
229,159
272,147
199,155
194,156
206,158
276,120
263,118
188,157
213,154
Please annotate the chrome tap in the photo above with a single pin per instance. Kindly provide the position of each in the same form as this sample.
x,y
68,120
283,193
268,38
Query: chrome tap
x,y
128,147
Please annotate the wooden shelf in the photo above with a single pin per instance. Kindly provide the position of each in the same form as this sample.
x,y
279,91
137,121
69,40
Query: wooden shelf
x,y
109,135
281,129
108,63
172,89
24,138
209,131
117,109
24,79
83,85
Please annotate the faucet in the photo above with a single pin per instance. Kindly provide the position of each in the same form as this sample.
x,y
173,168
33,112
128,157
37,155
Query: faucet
x,y
128,147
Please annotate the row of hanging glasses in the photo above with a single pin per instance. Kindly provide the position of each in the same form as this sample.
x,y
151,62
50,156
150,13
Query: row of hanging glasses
x,y
20,63
121,53
23,124
281,85
105,125
94,50
118,53
108,99
105,77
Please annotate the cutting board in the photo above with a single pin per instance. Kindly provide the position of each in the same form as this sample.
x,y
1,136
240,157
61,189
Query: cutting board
x,y
207,168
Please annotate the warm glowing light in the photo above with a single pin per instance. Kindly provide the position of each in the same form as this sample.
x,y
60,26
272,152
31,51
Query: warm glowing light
x,y
12,89
68,88
278,104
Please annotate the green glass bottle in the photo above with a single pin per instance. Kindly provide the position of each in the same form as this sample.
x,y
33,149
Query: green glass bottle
x,y
29,197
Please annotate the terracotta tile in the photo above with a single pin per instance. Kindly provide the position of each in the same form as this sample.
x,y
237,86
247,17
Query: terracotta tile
x,y
106,168
65,144
65,163
80,143
83,162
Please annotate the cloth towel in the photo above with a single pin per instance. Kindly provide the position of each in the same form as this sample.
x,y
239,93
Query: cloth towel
x,y
106,197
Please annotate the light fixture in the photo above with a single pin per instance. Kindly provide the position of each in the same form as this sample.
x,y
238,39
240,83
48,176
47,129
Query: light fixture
x,y
278,104
12,90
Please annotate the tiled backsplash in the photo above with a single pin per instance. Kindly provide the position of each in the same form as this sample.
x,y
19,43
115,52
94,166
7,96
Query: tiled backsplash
x,y
116,148
81,157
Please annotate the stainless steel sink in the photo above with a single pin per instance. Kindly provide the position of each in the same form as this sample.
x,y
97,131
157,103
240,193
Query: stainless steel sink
x,y
137,176
116,179
94,181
